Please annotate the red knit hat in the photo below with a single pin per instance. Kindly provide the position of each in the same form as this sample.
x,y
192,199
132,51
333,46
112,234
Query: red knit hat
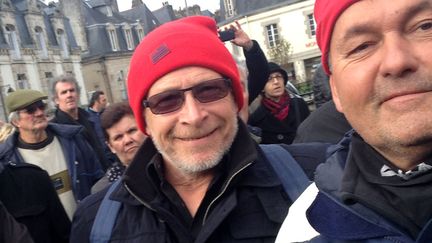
x,y
326,13
191,41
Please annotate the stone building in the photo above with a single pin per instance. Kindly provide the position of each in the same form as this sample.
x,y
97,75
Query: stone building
x,y
108,38
36,44
269,22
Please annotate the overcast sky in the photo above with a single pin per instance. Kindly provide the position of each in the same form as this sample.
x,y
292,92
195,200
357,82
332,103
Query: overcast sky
x,y
211,5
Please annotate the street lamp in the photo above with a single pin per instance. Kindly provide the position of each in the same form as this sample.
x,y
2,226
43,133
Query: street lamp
x,y
2,87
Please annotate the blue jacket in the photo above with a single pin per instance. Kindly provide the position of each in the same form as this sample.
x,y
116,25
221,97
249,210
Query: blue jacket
x,y
336,221
94,117
83,165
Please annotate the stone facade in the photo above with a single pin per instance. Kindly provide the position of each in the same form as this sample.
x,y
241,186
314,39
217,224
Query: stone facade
x,y
291,20
35,46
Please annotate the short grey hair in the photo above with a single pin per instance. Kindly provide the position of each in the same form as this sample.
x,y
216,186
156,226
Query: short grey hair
x,y
13,116
65,78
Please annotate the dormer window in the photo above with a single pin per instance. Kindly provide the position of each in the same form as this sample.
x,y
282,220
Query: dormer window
x,y
12,40
140,32
63,43
229,8
128,37
40,42
113,38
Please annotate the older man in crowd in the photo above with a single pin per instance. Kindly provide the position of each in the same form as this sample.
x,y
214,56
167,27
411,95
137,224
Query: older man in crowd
x,y
61,150
200,177
66,92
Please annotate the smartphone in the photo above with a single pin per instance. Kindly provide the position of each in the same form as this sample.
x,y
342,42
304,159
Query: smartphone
x,y
226,35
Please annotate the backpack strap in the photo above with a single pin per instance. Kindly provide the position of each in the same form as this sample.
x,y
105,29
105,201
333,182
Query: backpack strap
x,y
106,217
292,176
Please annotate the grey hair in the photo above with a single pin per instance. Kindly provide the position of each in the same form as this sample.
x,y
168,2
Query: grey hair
x,y
65,78
13,116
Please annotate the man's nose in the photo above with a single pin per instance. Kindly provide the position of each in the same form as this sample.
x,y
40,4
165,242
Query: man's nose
x,y
398,57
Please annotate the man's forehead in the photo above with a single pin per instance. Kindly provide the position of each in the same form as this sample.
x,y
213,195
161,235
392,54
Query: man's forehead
x,y
65,85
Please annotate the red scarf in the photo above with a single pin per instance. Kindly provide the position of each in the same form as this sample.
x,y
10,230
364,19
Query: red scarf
x,y
278,109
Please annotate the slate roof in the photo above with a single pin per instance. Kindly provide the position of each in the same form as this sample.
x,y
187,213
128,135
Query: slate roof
x,y
96,22
22,29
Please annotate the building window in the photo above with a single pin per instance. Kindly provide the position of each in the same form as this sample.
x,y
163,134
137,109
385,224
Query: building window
x,y
22,82
272,35
140,32
229,8
113,39
63,43
129,39
12,40
40,42
311,25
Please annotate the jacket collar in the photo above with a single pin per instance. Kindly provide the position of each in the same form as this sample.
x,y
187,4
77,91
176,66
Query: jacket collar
x,y
8,148
327,211
142,180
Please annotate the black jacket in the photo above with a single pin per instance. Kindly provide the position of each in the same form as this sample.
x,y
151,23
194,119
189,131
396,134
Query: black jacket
x,y
29,195
321,87
258,69
11,230
325,124
246,204
88,132
276,131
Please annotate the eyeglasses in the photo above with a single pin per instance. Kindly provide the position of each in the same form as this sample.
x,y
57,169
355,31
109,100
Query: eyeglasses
x,y
277,76
173,100
31,109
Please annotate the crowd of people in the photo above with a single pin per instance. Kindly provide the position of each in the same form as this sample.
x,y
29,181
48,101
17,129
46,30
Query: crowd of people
x,y
194,155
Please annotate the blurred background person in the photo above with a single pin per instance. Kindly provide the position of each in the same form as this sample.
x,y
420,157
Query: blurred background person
x,y
279,113
66,92
123,137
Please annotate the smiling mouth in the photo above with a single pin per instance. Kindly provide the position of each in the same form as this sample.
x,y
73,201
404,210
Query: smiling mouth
x,y
197,137
404,95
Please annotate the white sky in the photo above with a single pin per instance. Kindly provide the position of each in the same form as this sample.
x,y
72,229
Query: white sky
x,y
211,5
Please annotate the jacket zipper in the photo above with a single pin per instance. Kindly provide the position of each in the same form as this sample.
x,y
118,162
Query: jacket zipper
x,y
223,191
138,198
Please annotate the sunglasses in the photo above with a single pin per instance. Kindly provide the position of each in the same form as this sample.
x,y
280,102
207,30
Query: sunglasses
x,y
31,109
172,100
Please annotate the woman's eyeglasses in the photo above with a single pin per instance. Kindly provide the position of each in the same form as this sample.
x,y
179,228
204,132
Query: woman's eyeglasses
x,y
172,100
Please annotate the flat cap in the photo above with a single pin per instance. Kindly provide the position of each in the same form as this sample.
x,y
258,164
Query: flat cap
x,y
22,98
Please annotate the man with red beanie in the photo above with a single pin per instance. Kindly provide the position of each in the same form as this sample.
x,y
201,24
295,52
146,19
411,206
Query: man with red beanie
x,y
376,184
199,177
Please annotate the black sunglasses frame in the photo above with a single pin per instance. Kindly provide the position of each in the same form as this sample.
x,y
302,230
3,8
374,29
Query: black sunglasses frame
x,y
152,105
31,109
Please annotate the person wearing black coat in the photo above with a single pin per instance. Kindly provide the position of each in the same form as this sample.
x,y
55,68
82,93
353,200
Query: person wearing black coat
x,y
29,195
11,230
279,113
66,94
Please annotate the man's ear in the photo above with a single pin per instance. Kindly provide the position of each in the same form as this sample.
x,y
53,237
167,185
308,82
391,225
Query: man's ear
x,y
14,123
335,94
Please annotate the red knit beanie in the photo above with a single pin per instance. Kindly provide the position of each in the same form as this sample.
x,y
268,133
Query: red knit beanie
x,y
191,41
326,13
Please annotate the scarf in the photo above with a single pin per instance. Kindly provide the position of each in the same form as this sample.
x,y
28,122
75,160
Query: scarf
x,y
279,109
